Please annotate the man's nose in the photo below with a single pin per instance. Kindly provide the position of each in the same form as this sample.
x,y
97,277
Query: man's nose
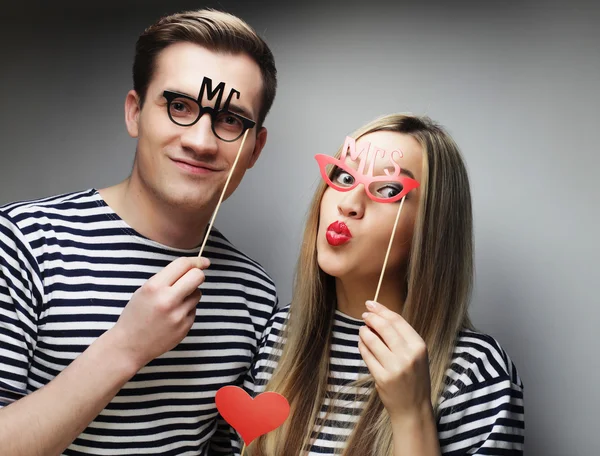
x,y
200,137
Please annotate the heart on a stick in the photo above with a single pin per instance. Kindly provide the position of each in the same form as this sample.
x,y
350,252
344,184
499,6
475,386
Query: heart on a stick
x,y
251,418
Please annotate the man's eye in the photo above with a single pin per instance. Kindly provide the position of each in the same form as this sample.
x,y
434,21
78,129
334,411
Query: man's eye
x,y
229,121
181,108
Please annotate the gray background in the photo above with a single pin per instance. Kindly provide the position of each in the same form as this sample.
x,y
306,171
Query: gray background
x,y
516,83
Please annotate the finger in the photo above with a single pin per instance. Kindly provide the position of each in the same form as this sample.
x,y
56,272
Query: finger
x,y
386,331
189,315
378,349
375,368
397,321
189,306
187,284
175,270
195,296
191,302
204,262
192,312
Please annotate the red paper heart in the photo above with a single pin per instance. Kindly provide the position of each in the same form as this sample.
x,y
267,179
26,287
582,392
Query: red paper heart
x,y
251,418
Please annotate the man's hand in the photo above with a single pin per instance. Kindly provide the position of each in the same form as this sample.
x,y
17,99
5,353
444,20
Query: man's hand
x,y
161,312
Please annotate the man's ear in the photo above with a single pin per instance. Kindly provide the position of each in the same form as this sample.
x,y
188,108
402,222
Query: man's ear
x,y
132,113
261,140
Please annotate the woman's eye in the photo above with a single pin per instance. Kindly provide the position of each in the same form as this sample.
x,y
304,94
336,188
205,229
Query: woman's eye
x,y
344,178
390,190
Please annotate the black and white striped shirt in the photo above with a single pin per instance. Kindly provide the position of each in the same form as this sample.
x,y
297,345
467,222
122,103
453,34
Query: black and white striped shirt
x,y
68,267
480,411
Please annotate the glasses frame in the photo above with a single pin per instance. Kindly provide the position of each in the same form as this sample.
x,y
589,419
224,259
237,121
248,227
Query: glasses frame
x,y
407,183
171,96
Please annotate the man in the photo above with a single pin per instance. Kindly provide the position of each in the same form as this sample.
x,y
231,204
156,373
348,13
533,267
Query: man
x,y
106,345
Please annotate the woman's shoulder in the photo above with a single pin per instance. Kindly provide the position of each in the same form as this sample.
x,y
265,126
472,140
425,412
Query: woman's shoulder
x,y
481,407
479,361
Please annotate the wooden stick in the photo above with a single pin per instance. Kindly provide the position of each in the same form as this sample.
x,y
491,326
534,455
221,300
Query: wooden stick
x,y
243,449
389,248
223,194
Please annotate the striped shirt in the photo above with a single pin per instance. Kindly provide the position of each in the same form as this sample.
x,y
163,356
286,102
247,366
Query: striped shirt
x,y
68,267
480,410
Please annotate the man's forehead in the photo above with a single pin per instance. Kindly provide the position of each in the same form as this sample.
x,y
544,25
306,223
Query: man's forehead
x,y
184,66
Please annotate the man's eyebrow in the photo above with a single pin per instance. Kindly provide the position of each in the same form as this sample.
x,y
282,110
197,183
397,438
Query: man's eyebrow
x,y
233,107
179,92
237,109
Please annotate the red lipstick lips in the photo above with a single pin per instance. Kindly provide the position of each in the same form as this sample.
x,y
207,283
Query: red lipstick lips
x,y
338,233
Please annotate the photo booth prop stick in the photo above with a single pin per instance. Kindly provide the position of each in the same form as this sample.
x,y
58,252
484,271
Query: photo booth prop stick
x,y
343,177
212,221
387,254
226,124
251,418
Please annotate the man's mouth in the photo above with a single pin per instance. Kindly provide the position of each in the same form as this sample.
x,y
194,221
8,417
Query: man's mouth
x,y
195,167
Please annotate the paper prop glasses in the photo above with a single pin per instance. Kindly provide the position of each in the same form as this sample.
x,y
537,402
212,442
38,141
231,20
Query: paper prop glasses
x,y
390,187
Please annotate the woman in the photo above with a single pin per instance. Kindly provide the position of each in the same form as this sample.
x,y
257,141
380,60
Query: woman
x,y
406,375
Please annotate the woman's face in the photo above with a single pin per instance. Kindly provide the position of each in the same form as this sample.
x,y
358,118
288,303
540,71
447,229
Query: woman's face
x,y
356,247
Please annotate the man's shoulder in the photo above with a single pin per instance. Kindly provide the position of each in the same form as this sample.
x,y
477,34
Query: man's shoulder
x,y
58,206
28,224
224,253
243,277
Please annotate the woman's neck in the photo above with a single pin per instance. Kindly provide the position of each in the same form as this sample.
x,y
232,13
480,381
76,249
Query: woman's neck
x,y
352,294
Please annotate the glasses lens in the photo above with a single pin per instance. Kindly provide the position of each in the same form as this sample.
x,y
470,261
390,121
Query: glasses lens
x,y
183,111
228,126
338,176
390,190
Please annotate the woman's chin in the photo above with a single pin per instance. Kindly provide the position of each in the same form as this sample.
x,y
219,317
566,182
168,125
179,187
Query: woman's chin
x,y
333,266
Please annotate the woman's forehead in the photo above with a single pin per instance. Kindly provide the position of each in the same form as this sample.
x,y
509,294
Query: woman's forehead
x,y
383,153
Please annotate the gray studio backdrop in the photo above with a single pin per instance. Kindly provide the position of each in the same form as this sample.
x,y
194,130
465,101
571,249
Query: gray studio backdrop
x,y
516,83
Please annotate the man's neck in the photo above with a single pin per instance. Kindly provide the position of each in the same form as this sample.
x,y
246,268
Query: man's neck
x,y
154,218
352,294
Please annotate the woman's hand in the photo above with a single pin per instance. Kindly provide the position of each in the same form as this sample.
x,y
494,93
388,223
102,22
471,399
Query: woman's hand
x,y
397,359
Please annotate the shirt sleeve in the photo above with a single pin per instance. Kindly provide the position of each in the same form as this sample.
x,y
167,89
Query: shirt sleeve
x,y
250,385
220,443
484,414
19,300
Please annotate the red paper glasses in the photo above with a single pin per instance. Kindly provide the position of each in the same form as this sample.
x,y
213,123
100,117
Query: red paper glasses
x,y
382,189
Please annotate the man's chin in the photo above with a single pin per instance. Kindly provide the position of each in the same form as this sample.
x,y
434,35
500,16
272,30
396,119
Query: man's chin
x,y
191,201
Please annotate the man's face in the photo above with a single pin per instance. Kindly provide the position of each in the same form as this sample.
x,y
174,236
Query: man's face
x,y
186,167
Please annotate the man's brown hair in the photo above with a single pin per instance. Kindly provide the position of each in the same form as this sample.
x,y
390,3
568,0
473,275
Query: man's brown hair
x,y
214,30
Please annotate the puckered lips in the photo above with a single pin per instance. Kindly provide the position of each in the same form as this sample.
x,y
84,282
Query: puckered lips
x,y
338,233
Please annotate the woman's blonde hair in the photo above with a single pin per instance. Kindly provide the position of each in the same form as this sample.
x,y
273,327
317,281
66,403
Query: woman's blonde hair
x,y
439,282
